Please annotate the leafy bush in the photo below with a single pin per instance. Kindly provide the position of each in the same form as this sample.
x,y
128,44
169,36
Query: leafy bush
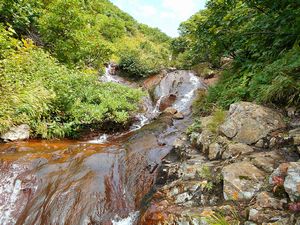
x,y
7,43
20,14
140,58
277,83
201,107
87,34
55,100
75,36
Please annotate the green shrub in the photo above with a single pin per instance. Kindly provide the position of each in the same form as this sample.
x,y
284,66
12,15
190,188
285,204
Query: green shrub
x,y
8,44
222,219
57,101
20,14
261,38
139,57
275,83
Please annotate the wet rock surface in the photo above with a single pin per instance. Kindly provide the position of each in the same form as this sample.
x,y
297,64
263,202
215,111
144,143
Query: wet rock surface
x,y
92,182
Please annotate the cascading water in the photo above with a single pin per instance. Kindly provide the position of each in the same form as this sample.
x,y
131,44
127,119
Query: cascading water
x,y
79,182
141,118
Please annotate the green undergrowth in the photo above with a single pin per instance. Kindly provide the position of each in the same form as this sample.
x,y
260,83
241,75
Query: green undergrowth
x,y
276,83
54,100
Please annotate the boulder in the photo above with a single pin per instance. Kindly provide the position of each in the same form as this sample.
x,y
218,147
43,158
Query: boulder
x,y
235,150
278,176
167,101
265,200
267,161
292,181
242,181
170,110
215,151
267,216
20,132
248,122
281,221
205,139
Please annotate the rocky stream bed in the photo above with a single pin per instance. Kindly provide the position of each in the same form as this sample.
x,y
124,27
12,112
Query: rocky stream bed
x,y
246,170
103,180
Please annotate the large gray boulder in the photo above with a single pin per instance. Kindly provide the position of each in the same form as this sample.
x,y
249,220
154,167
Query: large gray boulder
x,y
242,181
248,122
20,132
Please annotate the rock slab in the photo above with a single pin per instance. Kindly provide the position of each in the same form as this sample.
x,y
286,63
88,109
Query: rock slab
x,y
242,181
248,122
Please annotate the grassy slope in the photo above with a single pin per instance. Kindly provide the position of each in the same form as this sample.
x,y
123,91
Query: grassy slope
x,y
54,87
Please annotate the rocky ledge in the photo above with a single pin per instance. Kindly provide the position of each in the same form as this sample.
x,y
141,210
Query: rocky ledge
x,y
247,171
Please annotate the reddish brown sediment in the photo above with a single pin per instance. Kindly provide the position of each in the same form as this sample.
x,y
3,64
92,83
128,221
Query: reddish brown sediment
x,y
77,182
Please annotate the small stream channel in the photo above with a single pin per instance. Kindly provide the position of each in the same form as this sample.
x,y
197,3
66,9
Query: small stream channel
x,y
98,181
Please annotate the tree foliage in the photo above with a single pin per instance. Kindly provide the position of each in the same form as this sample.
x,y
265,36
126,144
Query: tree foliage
x,y
50,55
81,33
262,39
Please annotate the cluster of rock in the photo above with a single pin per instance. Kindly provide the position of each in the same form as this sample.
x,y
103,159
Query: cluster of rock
x,y
247,172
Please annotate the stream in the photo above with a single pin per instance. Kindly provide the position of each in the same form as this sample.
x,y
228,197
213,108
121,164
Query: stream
x,y
99,181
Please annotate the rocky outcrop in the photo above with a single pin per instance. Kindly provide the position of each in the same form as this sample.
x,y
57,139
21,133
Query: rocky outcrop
x,y
248,123
232,163
295,135
241,181
174,113
20,132
236,149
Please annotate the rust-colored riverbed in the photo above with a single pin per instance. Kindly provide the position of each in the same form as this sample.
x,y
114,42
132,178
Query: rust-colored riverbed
x,y
84,182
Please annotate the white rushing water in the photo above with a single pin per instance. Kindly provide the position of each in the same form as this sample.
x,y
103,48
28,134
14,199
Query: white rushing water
x,y
127,221
10,189
186,99
108,77
103,138
182,84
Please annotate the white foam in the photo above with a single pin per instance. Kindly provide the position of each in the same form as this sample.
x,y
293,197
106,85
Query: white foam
x,y
126,221
100,140
186,100
142,121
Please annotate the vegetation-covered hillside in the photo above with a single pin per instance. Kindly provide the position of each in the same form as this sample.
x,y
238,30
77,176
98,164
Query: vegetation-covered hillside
x,y
262,40
51,54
